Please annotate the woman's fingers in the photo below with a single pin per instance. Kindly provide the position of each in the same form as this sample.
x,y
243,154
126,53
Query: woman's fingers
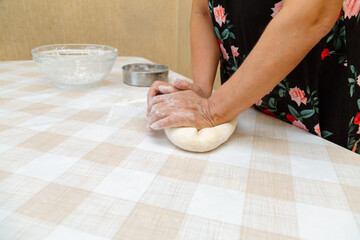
x,y
158,112
179,109
177,105
185,85
156,100
153,90
182,84
164,106
158,87
167,89
165,123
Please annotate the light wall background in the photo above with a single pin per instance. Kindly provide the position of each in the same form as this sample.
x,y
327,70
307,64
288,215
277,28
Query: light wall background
x,y
157,30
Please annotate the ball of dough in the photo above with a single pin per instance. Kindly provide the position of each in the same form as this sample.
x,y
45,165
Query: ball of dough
x,y
203,140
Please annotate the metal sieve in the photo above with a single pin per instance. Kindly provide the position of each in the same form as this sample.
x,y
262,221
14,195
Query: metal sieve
x,y
144,74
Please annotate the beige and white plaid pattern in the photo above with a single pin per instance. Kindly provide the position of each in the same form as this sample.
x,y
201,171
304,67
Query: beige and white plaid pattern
x,y
80,164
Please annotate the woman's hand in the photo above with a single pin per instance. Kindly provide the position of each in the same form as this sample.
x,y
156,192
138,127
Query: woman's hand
x,y
159,88
180,109
185,85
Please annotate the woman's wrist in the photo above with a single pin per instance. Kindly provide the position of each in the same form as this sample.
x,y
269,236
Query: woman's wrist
x,y
204,90
223,106
209,112
216,113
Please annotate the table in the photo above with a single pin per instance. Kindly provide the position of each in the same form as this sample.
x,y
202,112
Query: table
x,y
81,164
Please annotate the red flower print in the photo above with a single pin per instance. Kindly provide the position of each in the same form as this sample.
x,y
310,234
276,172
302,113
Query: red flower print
x,y
290,118
268,112
259,102
317,129
276,9
358,80
219,13
299,124
234,51
357,119
351,8
224,53
340,14
223,50
297,95
325,53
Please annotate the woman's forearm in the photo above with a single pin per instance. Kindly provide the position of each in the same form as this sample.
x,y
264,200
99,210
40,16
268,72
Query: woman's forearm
x,y
205,51
297,28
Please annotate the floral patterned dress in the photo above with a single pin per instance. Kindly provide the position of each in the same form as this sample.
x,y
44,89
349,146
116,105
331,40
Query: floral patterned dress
x,y
322,94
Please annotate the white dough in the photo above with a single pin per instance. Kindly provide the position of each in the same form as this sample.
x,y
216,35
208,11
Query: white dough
x,y
204,140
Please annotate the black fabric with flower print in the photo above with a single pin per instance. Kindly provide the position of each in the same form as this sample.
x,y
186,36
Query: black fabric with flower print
x,y
322,94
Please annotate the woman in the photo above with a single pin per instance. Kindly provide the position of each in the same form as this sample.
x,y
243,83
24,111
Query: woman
x,y
301,58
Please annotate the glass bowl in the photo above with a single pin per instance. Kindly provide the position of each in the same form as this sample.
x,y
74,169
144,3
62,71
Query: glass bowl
x,y
75,65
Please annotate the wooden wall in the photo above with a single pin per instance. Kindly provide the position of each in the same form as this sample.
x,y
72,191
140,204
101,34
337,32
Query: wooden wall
x,y
156,29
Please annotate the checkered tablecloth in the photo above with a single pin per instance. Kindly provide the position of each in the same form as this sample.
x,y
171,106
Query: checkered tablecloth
x,y
80,164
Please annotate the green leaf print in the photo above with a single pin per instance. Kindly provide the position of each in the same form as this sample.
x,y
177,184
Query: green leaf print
x,y
337,43
352,128
218,33
307,113
211,7
342,32
282,86
353,137
329,38
341,59
272,103
225,34
351,143
352,68
282,92
294,112
351,121
337,37
326,134
352,90
352,81
232,35
358,103
335,28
